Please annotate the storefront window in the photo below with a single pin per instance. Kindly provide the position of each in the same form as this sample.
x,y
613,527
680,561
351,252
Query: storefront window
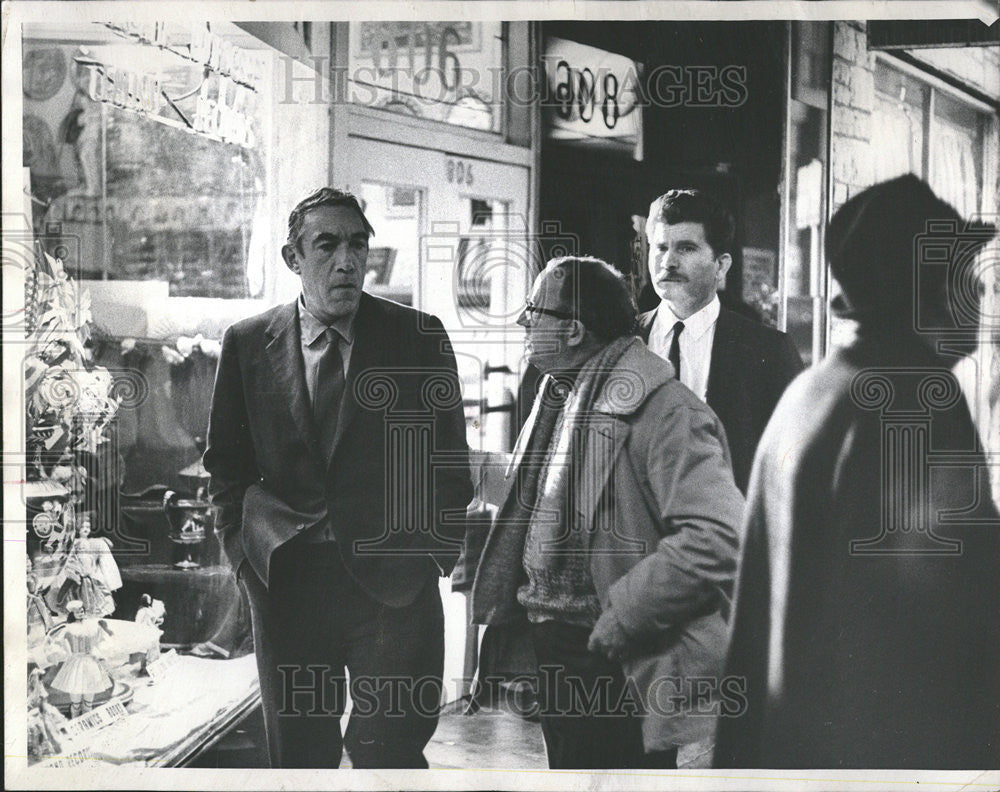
x,y
440,71
920,129
146,150
804,208
898,131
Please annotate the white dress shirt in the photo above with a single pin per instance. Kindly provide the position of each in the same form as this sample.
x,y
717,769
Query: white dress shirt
x,y
695,342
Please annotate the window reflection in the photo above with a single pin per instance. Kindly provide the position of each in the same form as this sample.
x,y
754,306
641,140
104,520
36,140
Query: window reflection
x,y
440,71
393,257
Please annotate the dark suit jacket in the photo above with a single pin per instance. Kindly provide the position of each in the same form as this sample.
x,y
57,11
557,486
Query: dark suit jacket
x,y
397,483
751,366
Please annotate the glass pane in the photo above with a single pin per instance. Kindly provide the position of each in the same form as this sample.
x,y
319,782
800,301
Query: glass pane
x,y
108,139
441,71
956,162
802,286
804,208
897,124
394,212
482,287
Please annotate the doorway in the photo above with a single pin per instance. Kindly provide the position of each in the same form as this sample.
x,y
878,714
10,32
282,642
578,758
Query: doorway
x,y
452,239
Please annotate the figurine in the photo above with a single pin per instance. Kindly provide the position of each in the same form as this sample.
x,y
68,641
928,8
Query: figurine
x,y
82,676
43,719
39,618
150,615
89,574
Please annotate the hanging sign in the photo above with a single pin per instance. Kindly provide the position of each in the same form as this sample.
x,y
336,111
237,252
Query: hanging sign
x,y
592,97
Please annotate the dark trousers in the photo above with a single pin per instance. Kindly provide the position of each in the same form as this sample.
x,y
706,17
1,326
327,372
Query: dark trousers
x,y
313,622
589,719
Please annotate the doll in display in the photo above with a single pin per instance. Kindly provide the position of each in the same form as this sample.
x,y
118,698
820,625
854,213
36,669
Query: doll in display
x,y
89,574
82,676
150,615
39,617
43,719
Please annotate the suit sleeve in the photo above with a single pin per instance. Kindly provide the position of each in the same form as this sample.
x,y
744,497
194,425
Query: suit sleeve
x,y
451,476
229,456
700,509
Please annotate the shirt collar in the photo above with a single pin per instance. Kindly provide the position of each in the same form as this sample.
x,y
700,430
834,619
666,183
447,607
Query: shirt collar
x,y
312,328
698,323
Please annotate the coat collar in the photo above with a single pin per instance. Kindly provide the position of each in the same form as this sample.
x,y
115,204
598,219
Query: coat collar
x,y
636,374
284,351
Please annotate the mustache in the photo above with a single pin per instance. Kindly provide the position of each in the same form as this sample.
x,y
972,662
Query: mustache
x,y
670,277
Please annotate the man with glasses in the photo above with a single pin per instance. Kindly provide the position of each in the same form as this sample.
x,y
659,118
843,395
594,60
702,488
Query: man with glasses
x,y
616,540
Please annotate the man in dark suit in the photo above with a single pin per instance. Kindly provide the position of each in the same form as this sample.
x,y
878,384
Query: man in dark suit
x,y
338,458
738,366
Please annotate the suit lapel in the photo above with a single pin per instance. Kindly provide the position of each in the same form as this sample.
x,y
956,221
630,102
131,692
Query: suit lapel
x,y
646,325
284,353
724,358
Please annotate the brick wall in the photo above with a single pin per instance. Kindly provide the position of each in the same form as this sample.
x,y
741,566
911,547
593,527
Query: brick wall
x,y
851,117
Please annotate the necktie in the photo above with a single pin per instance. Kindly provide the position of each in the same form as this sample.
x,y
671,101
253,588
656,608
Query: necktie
x,y
329,393
674,355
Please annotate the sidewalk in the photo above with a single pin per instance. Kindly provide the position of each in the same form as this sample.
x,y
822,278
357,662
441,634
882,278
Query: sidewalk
x,y
495,739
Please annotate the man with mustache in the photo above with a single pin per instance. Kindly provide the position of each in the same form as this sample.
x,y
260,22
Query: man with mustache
x,y
738,366
337,516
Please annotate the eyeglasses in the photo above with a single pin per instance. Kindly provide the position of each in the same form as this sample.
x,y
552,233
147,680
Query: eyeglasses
x,y
532,311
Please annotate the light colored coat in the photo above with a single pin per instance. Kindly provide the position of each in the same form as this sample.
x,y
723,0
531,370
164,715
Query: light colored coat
x,y
659,513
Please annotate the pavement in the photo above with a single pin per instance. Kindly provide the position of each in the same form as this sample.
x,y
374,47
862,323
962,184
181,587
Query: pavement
x,y
499,739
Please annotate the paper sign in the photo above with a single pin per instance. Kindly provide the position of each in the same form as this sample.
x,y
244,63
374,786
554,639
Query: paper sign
x,y
94,720
74,759
159,668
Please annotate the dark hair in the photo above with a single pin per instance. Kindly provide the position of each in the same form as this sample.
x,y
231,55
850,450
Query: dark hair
x,y
596,293
324,196
145,600
71,617
694,206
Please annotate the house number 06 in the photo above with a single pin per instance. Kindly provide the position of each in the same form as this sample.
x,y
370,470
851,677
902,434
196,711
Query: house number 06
x,y
459,172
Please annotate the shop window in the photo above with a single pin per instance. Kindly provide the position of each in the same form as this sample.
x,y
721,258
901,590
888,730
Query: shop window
x,y
147,150
918,128
440,71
